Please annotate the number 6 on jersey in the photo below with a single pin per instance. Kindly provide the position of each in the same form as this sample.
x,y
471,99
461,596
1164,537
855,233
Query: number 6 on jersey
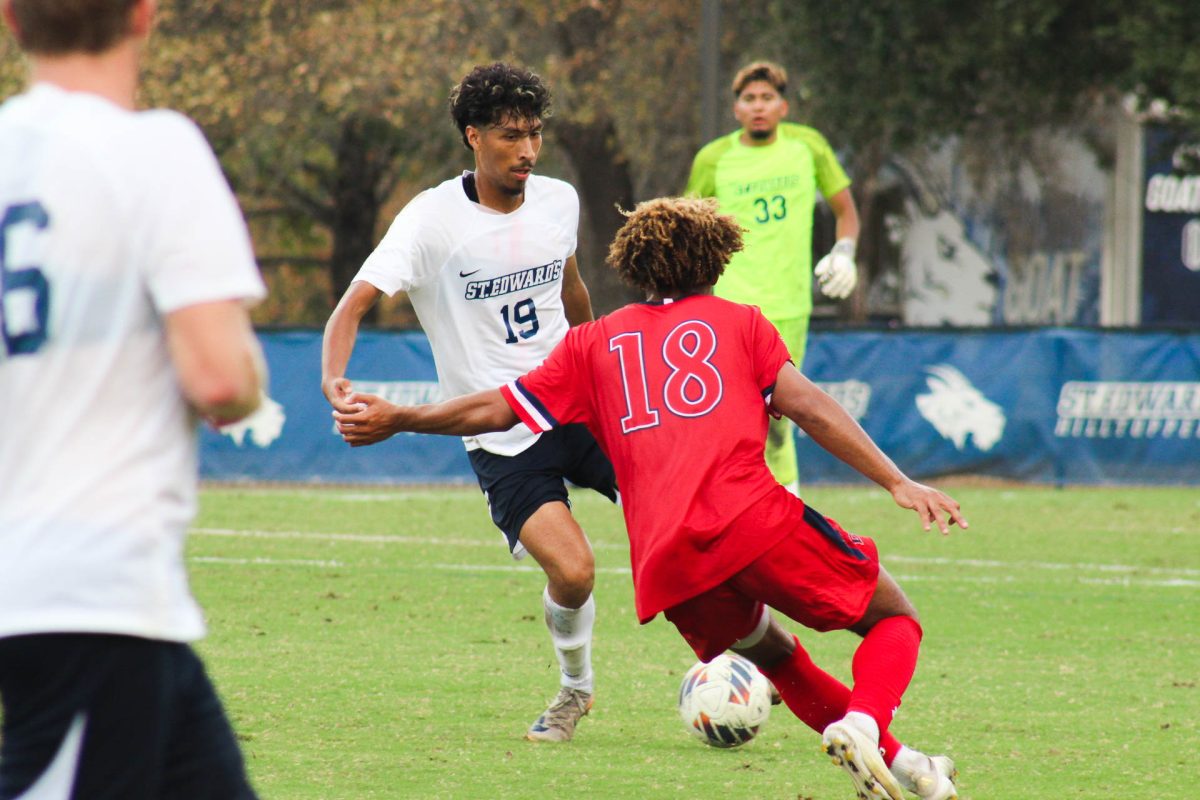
x,y
24,293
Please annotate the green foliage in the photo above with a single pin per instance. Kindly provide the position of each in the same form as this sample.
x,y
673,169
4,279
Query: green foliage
x,y
1165,60
328,115
893,74
13,71
332,114
316,121
375,643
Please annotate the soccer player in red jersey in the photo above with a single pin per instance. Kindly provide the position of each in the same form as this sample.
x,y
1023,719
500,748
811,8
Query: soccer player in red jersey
x,y
678,390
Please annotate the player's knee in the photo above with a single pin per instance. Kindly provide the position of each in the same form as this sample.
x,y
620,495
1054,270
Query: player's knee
x,y
573,580
901,606
890,600
581,578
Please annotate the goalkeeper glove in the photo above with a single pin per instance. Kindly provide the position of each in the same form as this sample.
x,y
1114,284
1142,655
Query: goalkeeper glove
x,y
836,273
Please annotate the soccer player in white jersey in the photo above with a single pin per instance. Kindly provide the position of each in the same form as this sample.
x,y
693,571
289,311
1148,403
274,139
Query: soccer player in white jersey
x,y
125,265
488,261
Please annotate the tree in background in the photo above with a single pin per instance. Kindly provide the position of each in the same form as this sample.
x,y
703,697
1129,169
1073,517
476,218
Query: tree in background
x,y
328,115
625,114
319,113
890,76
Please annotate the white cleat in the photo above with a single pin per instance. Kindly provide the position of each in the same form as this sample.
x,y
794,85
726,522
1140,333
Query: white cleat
x,y
937,783
858,754
557,723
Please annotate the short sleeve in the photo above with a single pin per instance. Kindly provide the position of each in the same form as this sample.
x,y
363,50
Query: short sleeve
x,y
553,393
404,259
831,178
768,350
199,247
570,217
702,181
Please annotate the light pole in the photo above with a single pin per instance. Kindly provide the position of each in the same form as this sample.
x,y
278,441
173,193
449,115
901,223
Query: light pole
x,y
710,65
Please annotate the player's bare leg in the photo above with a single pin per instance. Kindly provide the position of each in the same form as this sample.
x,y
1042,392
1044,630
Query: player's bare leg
x,y
558,544
889,600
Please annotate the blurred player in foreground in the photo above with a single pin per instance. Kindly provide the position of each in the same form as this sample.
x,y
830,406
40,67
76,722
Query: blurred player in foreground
x,y
124,267
488,261
678,390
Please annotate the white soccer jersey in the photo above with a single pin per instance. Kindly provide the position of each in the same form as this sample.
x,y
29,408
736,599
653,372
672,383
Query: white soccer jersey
x,y
486,286
109,219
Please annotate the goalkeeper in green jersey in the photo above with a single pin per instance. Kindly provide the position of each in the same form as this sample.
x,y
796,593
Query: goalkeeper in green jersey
x,y
767,175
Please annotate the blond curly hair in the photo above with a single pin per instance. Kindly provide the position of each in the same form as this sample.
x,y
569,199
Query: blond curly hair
x,y
674,244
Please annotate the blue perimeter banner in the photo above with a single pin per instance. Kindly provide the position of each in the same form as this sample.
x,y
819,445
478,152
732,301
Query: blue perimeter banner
x,y
1061,406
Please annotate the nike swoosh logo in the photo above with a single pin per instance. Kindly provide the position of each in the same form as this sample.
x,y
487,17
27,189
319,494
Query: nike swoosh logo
x,y
467,274
57,782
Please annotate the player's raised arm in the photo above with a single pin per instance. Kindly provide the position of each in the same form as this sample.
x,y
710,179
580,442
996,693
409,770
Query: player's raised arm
x,y
341,331
830,426
373,419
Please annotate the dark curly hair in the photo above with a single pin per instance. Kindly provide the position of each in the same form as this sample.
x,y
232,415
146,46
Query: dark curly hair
x,y
674,244
489,94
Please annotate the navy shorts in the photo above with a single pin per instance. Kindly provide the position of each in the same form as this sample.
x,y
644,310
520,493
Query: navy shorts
x,y
119,716
516,486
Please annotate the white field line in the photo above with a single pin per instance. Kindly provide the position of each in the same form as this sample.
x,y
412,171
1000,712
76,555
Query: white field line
x,y
1049,565
1173,577
271,562
459,542
1166,583
514,568
973,579
369,538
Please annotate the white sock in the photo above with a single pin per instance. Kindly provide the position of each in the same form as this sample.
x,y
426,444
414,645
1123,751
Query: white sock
x,y
571,632
864,722
906,764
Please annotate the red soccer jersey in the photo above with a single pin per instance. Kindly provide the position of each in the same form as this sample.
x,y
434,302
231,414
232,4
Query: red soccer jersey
x,y
676,393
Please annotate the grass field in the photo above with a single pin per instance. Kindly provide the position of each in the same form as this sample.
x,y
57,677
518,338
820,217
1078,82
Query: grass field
x,y
381,644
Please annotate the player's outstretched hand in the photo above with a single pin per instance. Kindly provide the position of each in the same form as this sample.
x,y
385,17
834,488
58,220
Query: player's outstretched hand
x,y
931,505
336,391
370,419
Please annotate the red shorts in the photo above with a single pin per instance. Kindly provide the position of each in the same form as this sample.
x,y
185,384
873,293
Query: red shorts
x,y
819,575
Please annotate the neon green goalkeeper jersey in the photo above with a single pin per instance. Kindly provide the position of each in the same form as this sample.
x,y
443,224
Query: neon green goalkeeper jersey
x,y
771,191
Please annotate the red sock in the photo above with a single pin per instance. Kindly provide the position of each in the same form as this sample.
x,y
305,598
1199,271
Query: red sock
x,y
883,667
816,697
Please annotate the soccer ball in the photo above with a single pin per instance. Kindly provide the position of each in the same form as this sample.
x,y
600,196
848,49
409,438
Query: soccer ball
x,y
724,702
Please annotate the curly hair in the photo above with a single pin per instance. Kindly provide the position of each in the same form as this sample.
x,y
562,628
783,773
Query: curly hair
x,y
674,244
490,94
